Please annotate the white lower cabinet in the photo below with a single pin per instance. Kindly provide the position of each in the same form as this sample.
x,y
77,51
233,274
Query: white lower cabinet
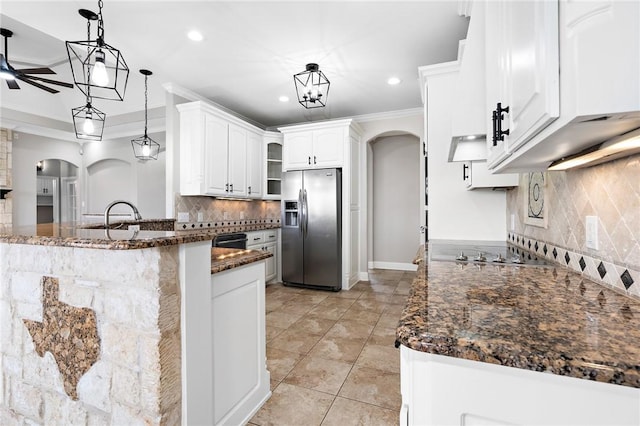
x,y
266,241
240,376
442,390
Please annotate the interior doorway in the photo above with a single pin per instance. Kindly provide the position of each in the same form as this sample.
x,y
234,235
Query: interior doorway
x,y
394,201
56,191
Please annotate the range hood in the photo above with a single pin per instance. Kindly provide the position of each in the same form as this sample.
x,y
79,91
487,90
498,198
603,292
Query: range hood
x,y
468,125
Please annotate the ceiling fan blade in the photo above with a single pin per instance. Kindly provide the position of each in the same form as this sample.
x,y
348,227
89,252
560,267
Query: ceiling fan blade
x,y
12,84
46,80
36,71
3,62
38,85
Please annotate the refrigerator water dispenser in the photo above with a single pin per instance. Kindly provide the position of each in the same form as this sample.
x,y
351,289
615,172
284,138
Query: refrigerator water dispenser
x,y
291,214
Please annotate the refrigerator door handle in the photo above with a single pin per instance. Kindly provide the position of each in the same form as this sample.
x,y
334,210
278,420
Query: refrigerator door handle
x,y
301,211
306,213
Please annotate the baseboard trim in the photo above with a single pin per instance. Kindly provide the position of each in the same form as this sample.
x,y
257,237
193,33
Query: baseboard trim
x,y
393,265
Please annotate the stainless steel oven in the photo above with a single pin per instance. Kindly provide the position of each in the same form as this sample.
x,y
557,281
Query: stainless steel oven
x,y
236,240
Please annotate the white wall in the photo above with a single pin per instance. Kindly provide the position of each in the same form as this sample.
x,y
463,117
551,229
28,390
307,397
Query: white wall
x,y
454,212
27,151
396,187
113,173
144,185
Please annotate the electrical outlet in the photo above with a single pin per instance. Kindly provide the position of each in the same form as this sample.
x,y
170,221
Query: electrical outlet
x,y
241,215
134,227
183,216
591,232
200,217
225,215
513,222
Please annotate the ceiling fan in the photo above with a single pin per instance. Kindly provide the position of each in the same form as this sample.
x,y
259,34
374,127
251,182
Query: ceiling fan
x,y
10,74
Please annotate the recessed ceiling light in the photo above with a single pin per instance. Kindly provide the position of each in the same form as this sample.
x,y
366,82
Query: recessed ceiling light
x,y
195,35
393,81
283,98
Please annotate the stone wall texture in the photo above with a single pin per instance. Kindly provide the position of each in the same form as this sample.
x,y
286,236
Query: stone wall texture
x,y
610,191
135,296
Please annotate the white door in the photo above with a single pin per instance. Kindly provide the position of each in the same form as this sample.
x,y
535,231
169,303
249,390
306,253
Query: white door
x,y
298,151
237,160
216,155
254,165
327,148
532,68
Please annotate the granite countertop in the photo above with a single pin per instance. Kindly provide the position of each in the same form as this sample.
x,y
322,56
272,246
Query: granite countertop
x,y
83,236
542,319
223,259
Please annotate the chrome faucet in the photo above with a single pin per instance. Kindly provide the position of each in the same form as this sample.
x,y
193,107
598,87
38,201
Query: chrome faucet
x,y
136,213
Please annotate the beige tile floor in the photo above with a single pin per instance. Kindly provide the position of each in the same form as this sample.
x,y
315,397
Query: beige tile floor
x,y
331,355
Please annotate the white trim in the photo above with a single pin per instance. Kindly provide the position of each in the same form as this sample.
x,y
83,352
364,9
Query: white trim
x,y
388,115
393,265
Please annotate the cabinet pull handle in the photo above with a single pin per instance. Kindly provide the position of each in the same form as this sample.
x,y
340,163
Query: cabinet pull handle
x,y
249,189
464,172
494,120
226,187
500,116
314,159
309,160
231,188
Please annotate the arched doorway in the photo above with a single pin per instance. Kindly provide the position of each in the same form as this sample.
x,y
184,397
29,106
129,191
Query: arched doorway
x,y
56,191
394,204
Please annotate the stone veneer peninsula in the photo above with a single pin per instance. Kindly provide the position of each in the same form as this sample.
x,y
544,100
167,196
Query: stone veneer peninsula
x,y
92,323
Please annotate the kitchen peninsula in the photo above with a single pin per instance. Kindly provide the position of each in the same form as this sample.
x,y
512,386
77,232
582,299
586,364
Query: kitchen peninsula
x,y
129,327
486,343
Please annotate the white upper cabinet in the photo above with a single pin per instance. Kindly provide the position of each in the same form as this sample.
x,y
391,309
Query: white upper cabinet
x,y
522,66
596,44
237,176
315,146
219,154
254,165
272,165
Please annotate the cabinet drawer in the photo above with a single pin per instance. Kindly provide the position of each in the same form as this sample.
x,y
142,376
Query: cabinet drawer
x,y
271,236
255,238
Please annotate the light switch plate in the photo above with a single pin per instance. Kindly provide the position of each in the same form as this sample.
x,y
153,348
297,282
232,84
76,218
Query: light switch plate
x,y
183,216
200,217
591,232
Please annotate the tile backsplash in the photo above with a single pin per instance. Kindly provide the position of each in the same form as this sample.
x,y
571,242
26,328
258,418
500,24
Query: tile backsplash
x,y
5,175
609,191
219,211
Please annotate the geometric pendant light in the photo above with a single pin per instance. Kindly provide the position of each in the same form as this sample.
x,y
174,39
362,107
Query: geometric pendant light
x,y
95,65
312,87
145,148
88,122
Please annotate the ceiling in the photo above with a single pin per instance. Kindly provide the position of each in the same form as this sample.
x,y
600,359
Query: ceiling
x,y
248,56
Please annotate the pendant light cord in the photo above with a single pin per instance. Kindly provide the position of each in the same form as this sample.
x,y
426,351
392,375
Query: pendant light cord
x,y
145,106
100,24
88,68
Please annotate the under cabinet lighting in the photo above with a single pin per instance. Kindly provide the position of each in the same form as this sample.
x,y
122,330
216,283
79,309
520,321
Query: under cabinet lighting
x,y
618,147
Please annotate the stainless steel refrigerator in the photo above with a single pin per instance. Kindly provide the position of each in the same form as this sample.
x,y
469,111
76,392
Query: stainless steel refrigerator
x,y
312,228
